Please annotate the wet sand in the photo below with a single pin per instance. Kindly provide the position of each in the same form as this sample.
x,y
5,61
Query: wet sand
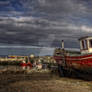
x,y
42,82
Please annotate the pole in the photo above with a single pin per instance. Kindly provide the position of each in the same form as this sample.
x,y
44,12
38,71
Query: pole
x,y
62,44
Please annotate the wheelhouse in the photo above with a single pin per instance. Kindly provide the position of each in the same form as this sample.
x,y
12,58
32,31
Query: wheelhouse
x,y
85,45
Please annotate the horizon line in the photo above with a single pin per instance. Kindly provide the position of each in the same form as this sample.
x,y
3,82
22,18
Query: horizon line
x,y
34,47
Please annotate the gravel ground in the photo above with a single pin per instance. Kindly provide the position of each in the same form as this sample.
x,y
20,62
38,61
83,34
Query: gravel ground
x,y
41,82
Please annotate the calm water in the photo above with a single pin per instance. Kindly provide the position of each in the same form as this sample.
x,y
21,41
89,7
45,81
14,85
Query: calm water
x,y
25,51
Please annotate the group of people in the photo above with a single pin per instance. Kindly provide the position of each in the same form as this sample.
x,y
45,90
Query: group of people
x,y
33,64
37,65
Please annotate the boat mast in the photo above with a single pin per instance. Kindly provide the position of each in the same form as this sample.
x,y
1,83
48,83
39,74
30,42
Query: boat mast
x,y
62,44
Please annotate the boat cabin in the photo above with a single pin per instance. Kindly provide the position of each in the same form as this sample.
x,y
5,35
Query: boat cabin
x,y
85,45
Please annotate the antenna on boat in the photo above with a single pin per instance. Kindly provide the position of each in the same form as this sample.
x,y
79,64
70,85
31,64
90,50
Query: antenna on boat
x,y
62,44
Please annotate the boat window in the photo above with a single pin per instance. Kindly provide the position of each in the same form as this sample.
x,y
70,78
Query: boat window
x,y
57,53
90,42
84,44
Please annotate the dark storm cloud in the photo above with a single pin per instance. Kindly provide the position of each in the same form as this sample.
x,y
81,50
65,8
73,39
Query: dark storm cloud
x,y
45,22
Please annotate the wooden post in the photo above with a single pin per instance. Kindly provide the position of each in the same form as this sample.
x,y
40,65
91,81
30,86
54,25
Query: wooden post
x,y
7,65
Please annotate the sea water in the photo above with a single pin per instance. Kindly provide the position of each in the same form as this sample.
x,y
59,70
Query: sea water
x,y
25,51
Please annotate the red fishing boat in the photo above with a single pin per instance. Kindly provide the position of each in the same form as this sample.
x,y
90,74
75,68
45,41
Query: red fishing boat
x,y
77,61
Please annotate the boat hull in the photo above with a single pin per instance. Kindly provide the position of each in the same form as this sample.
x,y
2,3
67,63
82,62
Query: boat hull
x,y
81,63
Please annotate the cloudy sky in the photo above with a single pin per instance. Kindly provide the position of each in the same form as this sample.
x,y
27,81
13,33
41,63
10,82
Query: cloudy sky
x,y
44,22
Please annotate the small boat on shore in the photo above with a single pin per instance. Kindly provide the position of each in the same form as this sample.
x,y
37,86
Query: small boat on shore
x,y
24,64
